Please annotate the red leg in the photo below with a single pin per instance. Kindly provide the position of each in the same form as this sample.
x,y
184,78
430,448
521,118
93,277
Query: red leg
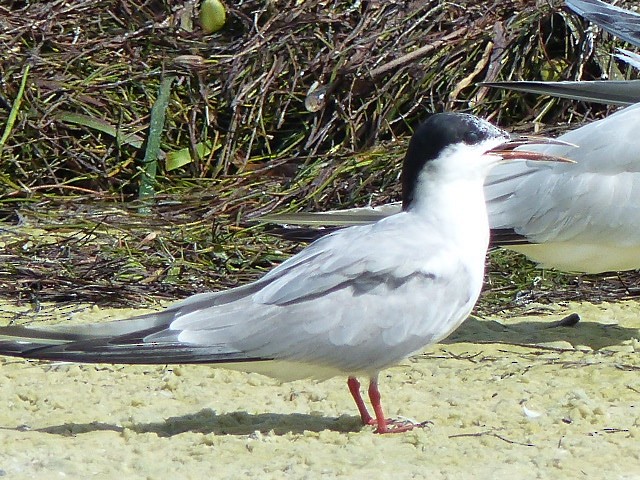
x,y
374,396
354,388
383,426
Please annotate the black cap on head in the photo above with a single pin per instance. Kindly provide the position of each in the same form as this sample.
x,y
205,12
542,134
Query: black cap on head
x,y
437,133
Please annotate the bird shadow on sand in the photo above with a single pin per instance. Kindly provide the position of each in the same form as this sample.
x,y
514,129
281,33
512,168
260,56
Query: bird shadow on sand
x,y
208,421
529,333
539,333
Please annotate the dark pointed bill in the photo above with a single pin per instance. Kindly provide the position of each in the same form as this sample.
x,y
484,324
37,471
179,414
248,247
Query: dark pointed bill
x,y
507,149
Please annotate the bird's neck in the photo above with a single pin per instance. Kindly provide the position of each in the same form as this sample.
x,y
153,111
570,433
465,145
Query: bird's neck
x,y
457,208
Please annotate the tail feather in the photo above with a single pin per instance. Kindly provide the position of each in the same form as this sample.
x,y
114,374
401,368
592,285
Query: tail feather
x,y
123,342
347,217
302,234
505,237
101,351
500,237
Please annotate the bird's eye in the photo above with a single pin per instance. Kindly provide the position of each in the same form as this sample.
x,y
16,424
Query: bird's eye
x,y
471,138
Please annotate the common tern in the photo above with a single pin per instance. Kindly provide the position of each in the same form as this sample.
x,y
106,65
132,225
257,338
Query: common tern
x,y
353,303
585,218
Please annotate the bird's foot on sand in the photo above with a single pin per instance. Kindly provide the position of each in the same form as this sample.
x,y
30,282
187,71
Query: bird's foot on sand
x,y
399,425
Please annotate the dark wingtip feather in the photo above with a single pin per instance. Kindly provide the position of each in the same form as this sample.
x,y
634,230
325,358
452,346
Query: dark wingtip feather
x,y
132,347
302,234
504,237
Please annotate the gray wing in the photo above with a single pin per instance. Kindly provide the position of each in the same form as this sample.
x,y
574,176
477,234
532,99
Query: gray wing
x,y
595,200
612,92
310,226
346,217
350,302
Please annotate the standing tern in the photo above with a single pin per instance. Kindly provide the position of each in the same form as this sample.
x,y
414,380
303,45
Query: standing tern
x,y
585,218
353,303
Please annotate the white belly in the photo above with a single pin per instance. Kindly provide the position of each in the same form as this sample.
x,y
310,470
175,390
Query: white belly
x,y
584,258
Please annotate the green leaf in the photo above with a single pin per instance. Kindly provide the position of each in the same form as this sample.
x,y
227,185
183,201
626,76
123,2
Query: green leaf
x,y
182,157
100,125
156,127
13,114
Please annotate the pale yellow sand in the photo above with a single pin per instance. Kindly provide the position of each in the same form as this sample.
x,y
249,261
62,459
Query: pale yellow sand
x,y
512,400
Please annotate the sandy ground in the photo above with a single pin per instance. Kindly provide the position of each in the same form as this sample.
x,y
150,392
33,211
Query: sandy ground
x,y
508,398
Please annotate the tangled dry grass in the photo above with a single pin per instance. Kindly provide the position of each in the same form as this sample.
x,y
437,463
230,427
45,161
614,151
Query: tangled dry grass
x,y
293,104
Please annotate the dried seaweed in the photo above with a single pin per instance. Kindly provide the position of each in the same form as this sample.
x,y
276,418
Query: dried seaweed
x,y
300,104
